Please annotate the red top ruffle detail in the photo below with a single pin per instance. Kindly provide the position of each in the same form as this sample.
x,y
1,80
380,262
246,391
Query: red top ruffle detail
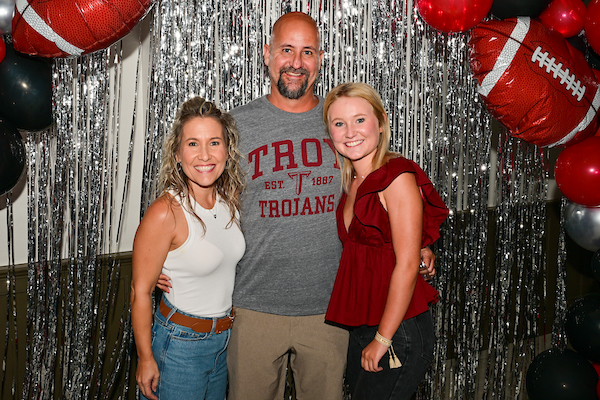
x,y
362,282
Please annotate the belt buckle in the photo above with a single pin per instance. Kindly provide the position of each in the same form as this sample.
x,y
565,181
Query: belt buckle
x,y
225,322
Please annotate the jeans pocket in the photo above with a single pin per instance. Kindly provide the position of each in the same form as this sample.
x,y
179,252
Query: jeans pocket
x,y
424,327
401,344
187,334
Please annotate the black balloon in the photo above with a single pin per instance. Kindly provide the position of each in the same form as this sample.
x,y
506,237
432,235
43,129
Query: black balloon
x,y
12,156
596,265
518,8
25,90
583,326
593,59
561,375
578,43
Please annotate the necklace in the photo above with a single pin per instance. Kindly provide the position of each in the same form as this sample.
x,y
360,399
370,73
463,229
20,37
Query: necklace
x,y
212,211
214,214
355,175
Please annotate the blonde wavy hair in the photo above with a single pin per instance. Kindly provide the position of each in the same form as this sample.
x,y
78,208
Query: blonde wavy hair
x,y
230,184
363,91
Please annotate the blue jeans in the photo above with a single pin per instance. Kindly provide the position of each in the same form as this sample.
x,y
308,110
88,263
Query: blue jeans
x,y
191,365
413,343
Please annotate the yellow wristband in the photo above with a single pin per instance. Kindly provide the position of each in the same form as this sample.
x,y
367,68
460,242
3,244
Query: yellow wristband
x,y
382,340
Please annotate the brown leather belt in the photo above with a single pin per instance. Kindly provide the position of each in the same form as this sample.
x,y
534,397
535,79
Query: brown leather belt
x,y
196,324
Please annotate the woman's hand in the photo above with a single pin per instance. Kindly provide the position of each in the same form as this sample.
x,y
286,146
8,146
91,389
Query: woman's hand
x,y
164,283
427,263
371,355
147,378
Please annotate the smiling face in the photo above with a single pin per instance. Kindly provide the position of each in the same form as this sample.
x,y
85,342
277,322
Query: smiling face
x,y
293,56
202,154
354,129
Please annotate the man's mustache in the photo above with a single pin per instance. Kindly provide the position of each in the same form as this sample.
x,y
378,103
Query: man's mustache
x,y
293,70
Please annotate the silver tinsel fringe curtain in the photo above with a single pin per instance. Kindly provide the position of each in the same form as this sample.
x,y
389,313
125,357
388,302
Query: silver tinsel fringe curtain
x,y
497,301
75,208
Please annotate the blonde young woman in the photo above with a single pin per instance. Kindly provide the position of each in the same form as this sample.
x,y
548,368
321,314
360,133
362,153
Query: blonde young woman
x,y
191,233
389,211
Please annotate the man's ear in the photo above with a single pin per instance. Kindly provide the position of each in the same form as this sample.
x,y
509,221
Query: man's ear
x,y
266,53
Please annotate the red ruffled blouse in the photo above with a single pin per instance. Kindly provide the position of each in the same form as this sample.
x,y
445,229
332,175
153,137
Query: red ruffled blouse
x,y
362,282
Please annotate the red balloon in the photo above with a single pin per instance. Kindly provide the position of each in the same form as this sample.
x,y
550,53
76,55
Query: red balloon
x,y
565,16
597,368
592,25
2,49
453,15
577,172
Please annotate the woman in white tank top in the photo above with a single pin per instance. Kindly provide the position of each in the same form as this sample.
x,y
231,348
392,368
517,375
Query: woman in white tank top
x,y
191,233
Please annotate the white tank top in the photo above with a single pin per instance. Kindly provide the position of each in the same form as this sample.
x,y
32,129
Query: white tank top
x,y
202,269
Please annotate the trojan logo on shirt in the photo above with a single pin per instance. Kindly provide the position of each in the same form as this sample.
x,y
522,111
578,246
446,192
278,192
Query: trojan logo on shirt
x,y
288,167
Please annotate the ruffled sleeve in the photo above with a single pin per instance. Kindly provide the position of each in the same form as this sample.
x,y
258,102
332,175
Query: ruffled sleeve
x,y
434,209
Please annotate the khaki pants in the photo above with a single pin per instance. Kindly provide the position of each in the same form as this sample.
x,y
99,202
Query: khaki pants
x,y
257,356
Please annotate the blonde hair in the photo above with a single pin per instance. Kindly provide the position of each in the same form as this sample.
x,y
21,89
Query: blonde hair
x,y
363,91
230,184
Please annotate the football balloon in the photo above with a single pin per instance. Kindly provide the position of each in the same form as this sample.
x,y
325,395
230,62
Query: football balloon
x,y
534,82
73,27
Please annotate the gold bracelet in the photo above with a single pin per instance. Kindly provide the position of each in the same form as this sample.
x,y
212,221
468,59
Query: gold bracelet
x,y
382,340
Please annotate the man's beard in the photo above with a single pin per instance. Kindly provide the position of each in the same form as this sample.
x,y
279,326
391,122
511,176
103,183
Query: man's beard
x,y
285,91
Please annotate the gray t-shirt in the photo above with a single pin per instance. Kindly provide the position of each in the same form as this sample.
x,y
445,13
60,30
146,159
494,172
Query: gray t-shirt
x,y
288,211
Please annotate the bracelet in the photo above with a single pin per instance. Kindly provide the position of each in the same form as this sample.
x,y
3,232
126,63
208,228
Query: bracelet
x,y
382,340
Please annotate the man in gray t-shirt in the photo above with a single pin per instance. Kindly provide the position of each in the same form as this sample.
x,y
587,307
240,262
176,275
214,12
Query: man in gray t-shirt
x,y
284,281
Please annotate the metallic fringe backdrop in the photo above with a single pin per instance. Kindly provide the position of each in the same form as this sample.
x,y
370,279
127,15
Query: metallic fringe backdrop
x,y
492,258
75,209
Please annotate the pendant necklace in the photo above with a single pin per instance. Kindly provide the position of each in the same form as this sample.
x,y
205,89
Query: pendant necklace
x,y
214,214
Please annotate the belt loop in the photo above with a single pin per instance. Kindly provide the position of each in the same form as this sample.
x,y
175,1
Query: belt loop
x,y
171,307
214,326
173,311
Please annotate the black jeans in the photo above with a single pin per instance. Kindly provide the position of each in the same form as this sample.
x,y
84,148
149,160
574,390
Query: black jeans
x,y
413,343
